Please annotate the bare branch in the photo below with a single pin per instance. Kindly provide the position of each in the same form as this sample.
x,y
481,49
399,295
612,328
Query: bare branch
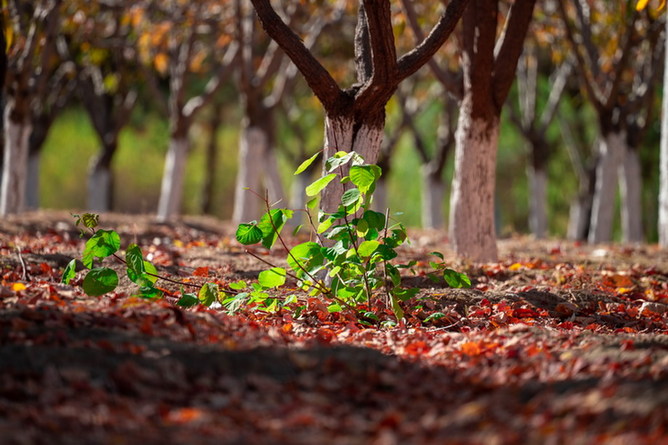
x,y
413,60
509,48
318,78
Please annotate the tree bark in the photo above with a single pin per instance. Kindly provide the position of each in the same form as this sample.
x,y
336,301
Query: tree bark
x,y
537,201
663,160
171,190
32,183
472,227
603,209
630,182
433,196
252,146
15,165
101,179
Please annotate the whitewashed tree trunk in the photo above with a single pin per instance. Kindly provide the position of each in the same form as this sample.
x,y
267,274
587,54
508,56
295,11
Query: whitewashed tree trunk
x,y
663,160
537,202
630,182
99,189
603,210
32,186
171,190
433,195
340,136
15,166
272,178
579,218
472,229
252,147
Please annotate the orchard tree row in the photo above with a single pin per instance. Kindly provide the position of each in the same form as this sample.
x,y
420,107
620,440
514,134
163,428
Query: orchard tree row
x,y
550,66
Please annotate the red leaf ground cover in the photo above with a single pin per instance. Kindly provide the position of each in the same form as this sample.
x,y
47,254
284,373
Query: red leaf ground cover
x,y
556,343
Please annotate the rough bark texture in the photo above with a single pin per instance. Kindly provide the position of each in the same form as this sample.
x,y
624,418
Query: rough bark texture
x,y
14,166
433,197
538,201
472,228
252,147
489,68
602,216
630,183
171,190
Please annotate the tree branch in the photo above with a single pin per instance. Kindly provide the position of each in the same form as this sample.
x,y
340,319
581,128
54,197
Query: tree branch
x,y
413,60
509,48
318,78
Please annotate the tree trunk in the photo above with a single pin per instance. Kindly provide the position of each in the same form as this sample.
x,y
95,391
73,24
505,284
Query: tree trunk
x,y
32,183
15,165
252,146
100,182
603,209
343,133
663,160
433,195
630,181
537,201
472,229
272,177
171,190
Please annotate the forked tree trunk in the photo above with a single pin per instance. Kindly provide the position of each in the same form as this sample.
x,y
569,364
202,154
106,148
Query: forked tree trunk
x,y
472,228
630,181
433,195
252,146
603,209
14,166
537,201
342,133
171,190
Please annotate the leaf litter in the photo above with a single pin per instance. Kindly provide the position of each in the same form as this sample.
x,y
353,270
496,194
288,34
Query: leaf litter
x,y
556,342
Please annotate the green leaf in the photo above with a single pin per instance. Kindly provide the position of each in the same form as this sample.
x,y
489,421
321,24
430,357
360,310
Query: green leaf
x,y
396,308
433,317
88,220
456,279
236,302
312,203
350,197
367,248
100,281
386,253
188,300
308,255
365,176
405,294
271,278
334,307
437,254
249,234
238,285
102,244
307,163
208,293
135,262
375,220
149,292
271,225
340,158
70,271
317,186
